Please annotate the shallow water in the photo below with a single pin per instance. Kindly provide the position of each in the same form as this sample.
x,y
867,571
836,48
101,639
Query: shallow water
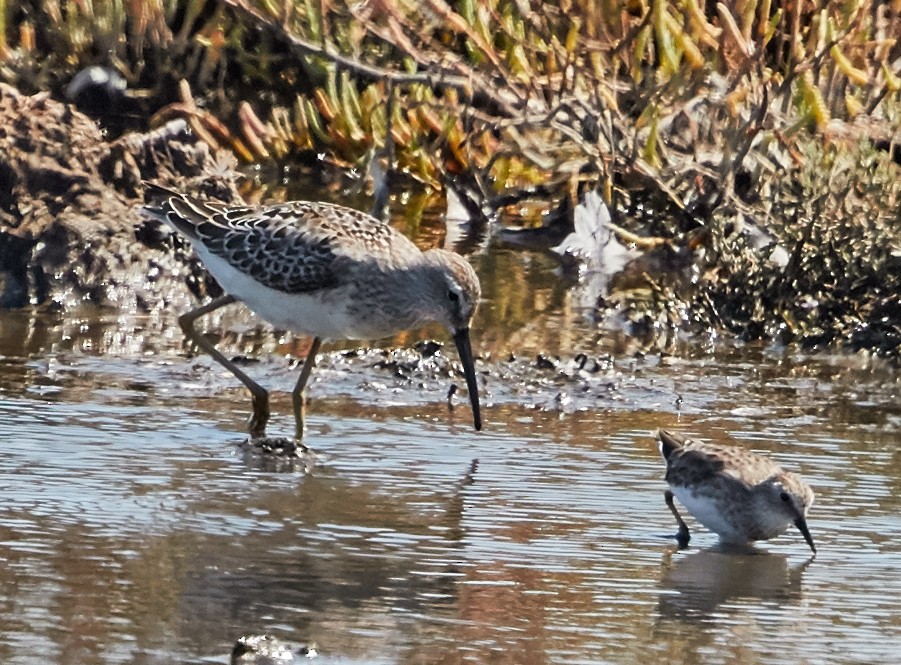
x,y
135,529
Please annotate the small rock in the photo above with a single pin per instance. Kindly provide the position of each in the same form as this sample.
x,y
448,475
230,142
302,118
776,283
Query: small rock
x,y
268,650
543,362
428,348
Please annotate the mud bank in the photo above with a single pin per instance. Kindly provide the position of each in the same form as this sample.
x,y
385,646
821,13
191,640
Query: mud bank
x,y
69,229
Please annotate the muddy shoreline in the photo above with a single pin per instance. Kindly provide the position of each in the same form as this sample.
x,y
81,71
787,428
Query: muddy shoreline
x,y
69,228
70,234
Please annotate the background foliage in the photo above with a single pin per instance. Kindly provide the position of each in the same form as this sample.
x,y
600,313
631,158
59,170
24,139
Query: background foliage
x,y
709,124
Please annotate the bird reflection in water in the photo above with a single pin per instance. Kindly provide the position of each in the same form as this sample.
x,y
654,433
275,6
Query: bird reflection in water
x,y
695,585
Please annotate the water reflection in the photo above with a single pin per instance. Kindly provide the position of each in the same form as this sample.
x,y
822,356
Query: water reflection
x,y
325,565
695,585
130,530
134,529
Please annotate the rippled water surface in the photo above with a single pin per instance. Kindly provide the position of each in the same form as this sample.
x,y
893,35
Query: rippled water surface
x,y
135,529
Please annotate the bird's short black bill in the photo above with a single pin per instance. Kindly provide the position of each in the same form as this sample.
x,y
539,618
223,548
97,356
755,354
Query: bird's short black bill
x,y
802,527
464,348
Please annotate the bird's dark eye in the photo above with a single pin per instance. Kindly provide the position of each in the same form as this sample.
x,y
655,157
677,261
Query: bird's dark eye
x,y
453,297
785,497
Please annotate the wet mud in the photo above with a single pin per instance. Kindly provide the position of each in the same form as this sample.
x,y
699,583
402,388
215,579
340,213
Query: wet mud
x,y
137,525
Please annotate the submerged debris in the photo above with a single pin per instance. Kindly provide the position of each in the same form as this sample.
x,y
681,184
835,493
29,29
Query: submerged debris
x,y
268,650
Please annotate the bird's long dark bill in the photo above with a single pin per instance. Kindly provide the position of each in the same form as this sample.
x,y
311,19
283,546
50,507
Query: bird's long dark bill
x,y
802,527
464,348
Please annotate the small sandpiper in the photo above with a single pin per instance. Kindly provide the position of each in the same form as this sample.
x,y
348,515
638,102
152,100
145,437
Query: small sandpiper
x,y
322,270
735,493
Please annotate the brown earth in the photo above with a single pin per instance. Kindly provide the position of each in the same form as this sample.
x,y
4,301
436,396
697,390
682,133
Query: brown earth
x,y
70,231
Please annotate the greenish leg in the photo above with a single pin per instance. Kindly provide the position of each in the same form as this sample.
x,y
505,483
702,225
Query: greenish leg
x,y
260,397
298,395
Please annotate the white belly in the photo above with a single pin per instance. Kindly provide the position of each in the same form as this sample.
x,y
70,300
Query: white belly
x,y
708,513
320,313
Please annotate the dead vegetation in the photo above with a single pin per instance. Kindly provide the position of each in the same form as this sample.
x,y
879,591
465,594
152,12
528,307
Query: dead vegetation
x,y
760,136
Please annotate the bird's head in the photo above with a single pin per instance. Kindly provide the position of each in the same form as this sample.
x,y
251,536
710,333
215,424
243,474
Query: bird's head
x,y
455,292
789,496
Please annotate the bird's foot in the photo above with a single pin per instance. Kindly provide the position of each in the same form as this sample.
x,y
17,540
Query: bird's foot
x,y
282,446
